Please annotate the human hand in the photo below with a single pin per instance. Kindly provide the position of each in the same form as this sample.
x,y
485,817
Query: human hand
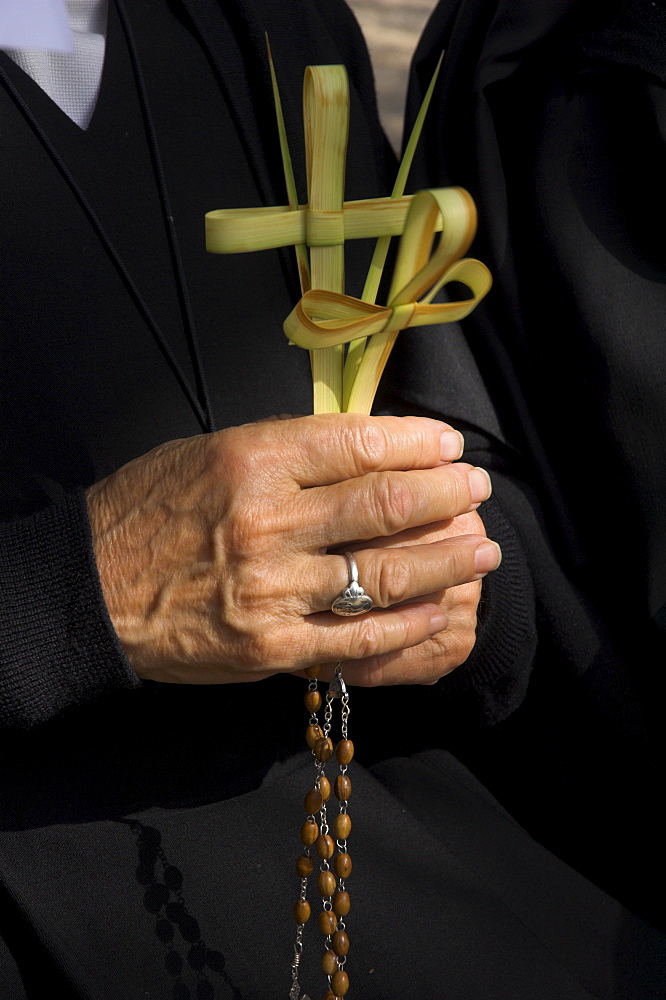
x,y
439,654
212,551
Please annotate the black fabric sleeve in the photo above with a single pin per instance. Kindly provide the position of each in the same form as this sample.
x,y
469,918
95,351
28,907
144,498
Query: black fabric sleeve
x,y
530,612
492,682
57,644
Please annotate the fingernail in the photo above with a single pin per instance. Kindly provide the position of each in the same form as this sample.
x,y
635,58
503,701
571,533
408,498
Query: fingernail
x,y
438,622
479,484
451,444
487,557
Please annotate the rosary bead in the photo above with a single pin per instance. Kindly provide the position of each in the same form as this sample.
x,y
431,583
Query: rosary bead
x,y
323,749
329,963
344,751
342,787
327,922
342,826
324,846
304,866
341,903
342,863
313,670
324,786
340,943
326,883
309,832
340,983
312,701
312,734
313,801
330,995
302,911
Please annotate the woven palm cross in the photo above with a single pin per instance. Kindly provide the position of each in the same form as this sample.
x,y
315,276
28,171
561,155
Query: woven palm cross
x,y
326,319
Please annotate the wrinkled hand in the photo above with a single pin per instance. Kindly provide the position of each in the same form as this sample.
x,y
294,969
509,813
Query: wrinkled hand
x,y
447,649
213,551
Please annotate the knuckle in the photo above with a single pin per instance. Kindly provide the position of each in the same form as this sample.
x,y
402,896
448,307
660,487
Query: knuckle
x,y
460,490
365,443
414,633
436,659
257,643
256,649
459,640
394,580
243,638
456,496
249,532
460,564
465,645
244,534
222,449
367,639
393,501
251,593
237,454
470,596
374,672
459,648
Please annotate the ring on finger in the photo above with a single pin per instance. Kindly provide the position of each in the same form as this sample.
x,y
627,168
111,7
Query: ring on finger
x,y
353,600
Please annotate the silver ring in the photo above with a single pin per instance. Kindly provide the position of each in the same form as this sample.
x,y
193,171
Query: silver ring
x,y
353,600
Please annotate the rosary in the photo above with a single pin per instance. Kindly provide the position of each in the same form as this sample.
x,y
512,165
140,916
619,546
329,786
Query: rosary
x,y
315,830
316,838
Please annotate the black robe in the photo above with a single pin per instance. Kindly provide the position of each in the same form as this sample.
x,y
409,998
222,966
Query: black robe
x,y
553,114
148,832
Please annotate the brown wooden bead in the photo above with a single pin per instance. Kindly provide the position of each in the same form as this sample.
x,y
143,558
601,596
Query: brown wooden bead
x,y
313,670
312,701
304,866
324,846
313,801
342,825
302,911
340,983
329,963
344,751
323,749
342,787
330,995
341,903
324,786
327,922
340,943
309,832
326,883
312,734
342,863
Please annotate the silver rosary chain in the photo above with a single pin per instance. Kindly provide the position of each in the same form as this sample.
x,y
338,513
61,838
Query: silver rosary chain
x,y
337,689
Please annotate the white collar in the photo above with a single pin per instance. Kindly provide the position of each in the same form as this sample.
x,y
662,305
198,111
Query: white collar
x,y
35,24
71,78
